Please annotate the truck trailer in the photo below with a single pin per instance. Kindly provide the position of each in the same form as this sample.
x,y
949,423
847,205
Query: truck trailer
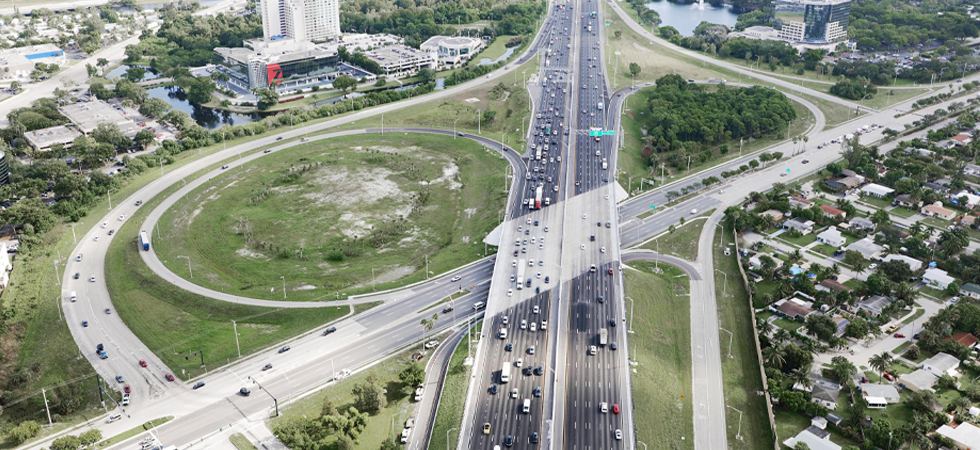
x,y
538,193
144,241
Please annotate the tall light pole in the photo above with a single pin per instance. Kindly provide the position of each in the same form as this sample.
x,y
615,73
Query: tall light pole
x,y
382,124
724,291
283,286
738,434
451,429
235,327
454,128
373,286
110,196
632,303
731,337
188,258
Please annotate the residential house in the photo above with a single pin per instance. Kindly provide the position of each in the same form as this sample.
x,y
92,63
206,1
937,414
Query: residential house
x,y
832,237
879,395
945,144
877,190
792,308
965,436
936,187
920,151
920,380
942,364
963,338
971,200
776,215
803,226
972,170
867,248
874,304
937,278
860,223
830,211
906,201
833,286
850,173
913,263
967,220
755,262
962,139
841,323
847,182
970,290
937,210
814,438
797,201
824,391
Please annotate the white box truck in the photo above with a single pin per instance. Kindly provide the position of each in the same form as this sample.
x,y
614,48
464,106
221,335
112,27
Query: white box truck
x,y
505,372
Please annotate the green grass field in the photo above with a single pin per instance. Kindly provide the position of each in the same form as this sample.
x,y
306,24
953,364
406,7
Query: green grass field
x,y
683,242
450,413
662,342
741,375
297,214
241,442
176,325
379,426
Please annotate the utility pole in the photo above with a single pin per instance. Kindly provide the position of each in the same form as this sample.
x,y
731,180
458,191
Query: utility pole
x,y
283,286
189,269
235,327
373,286
73,230
426,267
56,277
382,124
45,395
632,304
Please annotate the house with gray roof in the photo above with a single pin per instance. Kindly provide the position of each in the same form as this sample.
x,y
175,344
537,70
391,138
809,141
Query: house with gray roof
x,y
920,380
803,226
867,248
942,364
913,263
874,305
860,223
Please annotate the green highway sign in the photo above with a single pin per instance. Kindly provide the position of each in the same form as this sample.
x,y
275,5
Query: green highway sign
x,y
601,133
653,206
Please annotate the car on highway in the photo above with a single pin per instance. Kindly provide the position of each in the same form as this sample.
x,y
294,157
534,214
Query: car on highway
x,y
198,385
142,363
536,309
119,378
244,392
493,389
539,370
91,279
508,347
610,271
431,344
612,346
284,349
122,217
224,166
108,311
537,391
266,367
111,232
534,437
523,324
84,324
615,408
619,434
604,407
510,292
694,211
602,249
329,330
76,276
169,377
447,309
900,335
593,349
125,400
806,161
530,350
456,278
509,440
486,428
139,202
278,138
126,389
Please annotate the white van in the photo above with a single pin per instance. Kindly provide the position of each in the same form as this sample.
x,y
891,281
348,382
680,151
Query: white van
x,y
113,418
527,406
73,296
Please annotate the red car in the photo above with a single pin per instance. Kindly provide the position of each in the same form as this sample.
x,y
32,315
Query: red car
x,y
142,363
126,389
169,377
889,377
610,271
899,335
864,380
615,409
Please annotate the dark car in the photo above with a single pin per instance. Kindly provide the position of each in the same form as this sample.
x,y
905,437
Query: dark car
x,y
601,299
612,346
245,392
108,311
329,330
539,370
284,349
266,367
612,322
119,378
509,441
592,238
493,389
111,232
534,437
279,138
139,202
76,276
537,391
198,385
509,347
85,323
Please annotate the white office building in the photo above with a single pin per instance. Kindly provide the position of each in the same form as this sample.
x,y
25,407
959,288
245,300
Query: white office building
x,y
302,20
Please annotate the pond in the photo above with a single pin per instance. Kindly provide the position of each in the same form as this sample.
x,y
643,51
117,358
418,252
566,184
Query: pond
x,y
488,61
121,70
686,17
209,118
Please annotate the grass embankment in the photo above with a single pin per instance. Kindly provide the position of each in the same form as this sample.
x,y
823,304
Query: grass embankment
x,y
664,414
177,325
450,412
683,242
297,213
741,375
379,426
135,431
631,163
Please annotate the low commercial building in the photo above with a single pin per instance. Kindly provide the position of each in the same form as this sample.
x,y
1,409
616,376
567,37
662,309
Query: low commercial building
x,y
913,263
452,51
86,116
937,210
42,140
832,237
399,61
18,62
877,190
937,278
288,63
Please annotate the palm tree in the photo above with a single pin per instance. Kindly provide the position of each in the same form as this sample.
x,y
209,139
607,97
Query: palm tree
x,y
801,377
842,368
781,335
764,326
775,357
880,363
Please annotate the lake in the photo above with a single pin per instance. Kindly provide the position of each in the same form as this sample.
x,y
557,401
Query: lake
x,y
206,117
686,17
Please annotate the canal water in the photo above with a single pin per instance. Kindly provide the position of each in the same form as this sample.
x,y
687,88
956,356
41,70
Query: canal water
x,y
206,117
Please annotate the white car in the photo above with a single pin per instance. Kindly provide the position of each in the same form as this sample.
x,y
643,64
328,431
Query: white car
x,y
456,278
510,292
873,266
592,349
513,393
122,217
583,216
504,320
92,278
519,362
523,324
583,246
694,211
431,344
619,434
536,309
96,239
544,325
534,326
604,407
545,229
513,263
602,250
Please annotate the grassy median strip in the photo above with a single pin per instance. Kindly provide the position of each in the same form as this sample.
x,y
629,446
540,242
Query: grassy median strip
x,y
183,328
241,442
135,431
662,343
741,375
450,413
683,240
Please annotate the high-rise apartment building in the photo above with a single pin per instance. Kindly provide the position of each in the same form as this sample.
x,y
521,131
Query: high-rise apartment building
x,y
816,21
302,20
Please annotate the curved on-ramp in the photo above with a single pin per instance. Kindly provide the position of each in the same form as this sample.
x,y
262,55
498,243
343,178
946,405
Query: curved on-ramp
x,y
156,265
652,256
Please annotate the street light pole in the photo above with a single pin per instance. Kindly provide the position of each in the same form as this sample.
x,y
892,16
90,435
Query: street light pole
x,y
731,337
373,286
235,327
454,129
632,303
451,429
724,292
738,434
188,258
283,286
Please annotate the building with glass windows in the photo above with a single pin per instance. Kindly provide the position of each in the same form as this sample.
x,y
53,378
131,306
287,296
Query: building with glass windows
x,y
313,20
289,63
812,21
